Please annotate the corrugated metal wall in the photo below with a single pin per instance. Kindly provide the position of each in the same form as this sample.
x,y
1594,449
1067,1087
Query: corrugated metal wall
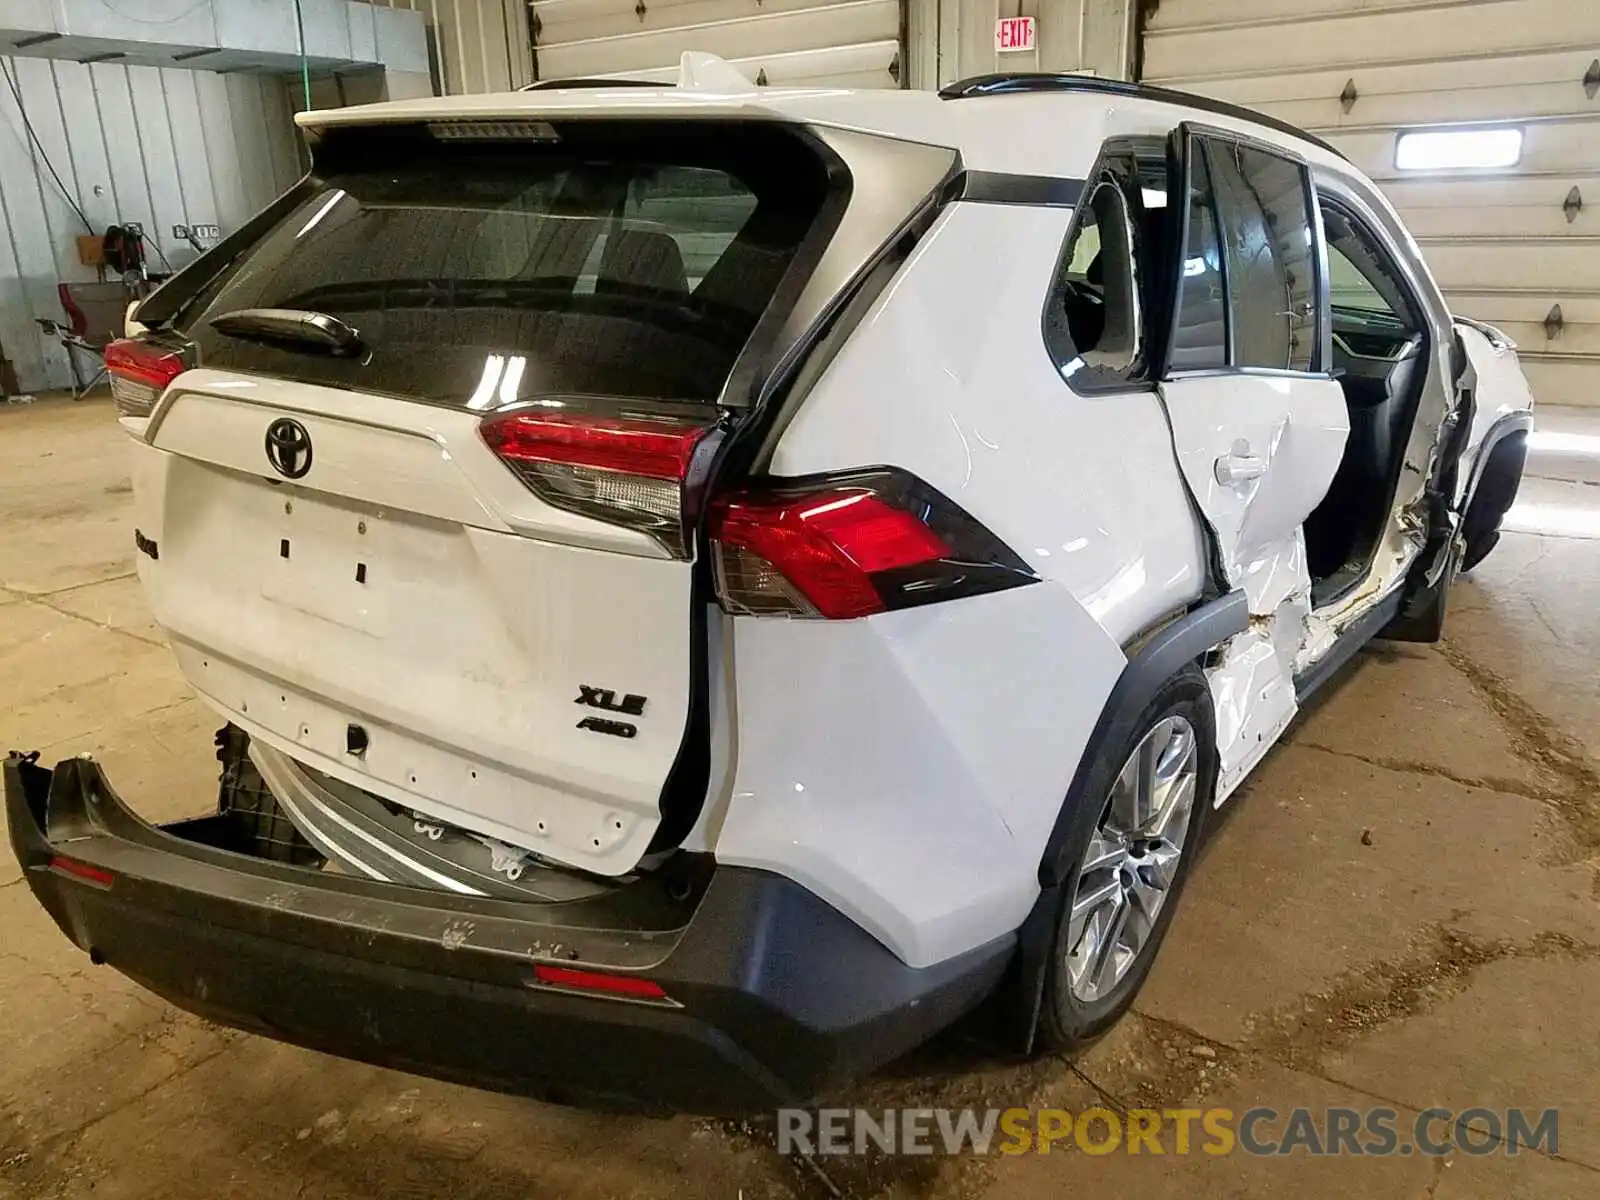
x,y
786,43
476,45
954,39
157,146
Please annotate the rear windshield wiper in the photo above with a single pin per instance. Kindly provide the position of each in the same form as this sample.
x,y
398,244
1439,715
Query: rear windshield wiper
x,y
294,328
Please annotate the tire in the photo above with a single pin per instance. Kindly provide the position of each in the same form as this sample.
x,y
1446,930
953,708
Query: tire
x,y
1084,994
1492,499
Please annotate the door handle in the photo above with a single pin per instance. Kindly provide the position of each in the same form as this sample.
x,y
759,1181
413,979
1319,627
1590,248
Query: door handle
x,y
1234,469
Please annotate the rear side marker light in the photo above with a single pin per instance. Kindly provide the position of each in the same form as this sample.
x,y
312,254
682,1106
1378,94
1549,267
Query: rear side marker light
x,y
626,987
626,471
82,870
139,373
850,546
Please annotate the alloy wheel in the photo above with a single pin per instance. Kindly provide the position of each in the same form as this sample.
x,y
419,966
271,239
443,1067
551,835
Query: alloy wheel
x,y
1132,860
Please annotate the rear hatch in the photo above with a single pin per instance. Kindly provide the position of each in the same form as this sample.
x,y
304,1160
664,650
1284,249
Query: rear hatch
x,y
417,505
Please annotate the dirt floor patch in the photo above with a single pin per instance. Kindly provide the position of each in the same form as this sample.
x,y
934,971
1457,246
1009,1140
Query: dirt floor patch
x,y
1577,797
1366,1000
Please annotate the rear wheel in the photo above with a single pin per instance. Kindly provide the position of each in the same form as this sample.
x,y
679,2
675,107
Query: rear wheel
x,y
1133,849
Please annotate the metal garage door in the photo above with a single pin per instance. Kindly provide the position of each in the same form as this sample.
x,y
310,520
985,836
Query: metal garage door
x,y
792,43
1516,246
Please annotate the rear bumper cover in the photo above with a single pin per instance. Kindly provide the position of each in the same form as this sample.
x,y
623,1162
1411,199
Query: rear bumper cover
x,y
776,996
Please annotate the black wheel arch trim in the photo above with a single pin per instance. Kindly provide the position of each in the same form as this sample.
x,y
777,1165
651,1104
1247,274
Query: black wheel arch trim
x,y
1156,658
1519,421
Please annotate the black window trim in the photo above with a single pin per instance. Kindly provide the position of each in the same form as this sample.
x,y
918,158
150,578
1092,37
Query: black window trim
x,y
1368,233
1144,378
1192,134
1360,197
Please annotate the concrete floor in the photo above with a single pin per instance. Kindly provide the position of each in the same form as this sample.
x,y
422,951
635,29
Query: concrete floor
x,y
1401,910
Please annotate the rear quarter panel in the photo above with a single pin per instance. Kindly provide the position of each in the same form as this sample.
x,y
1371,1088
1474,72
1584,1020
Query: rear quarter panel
x,y
1502,390
909,766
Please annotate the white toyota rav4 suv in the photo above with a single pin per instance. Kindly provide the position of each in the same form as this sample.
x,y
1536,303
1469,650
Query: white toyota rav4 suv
x,y
706,585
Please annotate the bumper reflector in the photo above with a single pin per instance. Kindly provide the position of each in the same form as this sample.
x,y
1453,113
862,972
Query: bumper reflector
x,y
628,987
82,870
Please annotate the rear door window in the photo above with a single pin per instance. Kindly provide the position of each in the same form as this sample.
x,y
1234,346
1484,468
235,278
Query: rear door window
x,y
1200,335
619,260
1265,205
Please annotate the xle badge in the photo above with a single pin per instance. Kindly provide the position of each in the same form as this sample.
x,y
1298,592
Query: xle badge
x,y
604,698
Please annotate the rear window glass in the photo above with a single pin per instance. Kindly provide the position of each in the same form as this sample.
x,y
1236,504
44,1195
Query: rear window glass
x,y
622,259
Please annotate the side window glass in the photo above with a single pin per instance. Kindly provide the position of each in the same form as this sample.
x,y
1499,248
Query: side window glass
x,y
1200,335
1270,256
1351,289
1093,317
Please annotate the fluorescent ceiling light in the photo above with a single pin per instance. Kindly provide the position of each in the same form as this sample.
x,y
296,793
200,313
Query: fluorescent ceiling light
x,y
1447,149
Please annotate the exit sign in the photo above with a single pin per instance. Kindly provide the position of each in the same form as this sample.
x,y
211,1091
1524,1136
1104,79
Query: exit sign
x,y
1014,34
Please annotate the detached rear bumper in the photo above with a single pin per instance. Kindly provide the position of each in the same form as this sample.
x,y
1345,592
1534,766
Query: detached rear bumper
x,y
774,996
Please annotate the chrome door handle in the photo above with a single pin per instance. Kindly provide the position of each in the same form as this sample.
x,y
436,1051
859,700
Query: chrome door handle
x,y
1232,469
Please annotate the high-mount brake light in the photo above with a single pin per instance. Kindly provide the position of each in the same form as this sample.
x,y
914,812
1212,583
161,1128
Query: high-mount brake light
x,y
627,470
139,373
851,546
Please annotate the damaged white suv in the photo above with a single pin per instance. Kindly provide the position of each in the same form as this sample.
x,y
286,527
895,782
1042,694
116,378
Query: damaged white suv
x,y
706,585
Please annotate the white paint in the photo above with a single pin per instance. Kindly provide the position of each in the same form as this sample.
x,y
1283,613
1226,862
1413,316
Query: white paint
x,y
1052,134
1253,693
464,648
1293,429
1502,388
917,386
908,767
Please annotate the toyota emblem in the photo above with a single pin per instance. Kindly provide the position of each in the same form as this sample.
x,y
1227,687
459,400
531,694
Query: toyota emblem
x,y
288,448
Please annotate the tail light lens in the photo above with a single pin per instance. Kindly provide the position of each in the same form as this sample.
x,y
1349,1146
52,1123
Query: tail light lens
x,y
627,471
139,373
852,545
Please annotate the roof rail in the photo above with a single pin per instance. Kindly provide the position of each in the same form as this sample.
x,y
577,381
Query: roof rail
x,y
1003,85
552,84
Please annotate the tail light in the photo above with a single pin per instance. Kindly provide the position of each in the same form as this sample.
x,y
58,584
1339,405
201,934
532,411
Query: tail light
x,y
852,545
627,471
140,372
